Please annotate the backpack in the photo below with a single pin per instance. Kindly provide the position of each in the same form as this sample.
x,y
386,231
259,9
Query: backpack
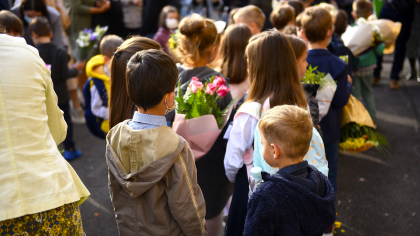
x,y
93,122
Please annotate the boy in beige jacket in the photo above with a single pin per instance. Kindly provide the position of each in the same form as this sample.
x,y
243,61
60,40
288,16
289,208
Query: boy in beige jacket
x,y
152,173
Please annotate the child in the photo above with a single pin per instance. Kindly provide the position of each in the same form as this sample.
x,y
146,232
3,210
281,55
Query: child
x,y
317,29
152,173
96,89
270,57
363,73
11,24
251,16
298,199
282,16
168,22
57,59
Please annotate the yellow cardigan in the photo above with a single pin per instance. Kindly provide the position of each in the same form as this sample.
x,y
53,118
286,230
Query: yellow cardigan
x,y
34,177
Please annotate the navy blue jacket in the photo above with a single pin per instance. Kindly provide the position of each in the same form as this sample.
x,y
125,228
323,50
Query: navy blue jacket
x,y
329,63
291,205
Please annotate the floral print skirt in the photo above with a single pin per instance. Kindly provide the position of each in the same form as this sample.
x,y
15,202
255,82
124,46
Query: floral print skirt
x,y
61,221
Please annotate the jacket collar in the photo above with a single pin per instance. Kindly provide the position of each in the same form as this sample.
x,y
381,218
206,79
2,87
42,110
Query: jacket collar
x,y
318,52
149,119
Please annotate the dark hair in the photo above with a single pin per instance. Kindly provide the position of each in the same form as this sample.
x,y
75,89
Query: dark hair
x,y
40,27
340,22
273,71
120,106
35,5
232,51
10,23
297,5
164,13
298,45
109,45
281,16
316,22
150,75
362,8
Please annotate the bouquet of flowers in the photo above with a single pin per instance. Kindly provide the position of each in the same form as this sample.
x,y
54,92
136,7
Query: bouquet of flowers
x,y
199,117
173,40
326,90
88,40
358,132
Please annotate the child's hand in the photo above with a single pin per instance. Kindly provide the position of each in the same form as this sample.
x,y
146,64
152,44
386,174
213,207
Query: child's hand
x,y
350,79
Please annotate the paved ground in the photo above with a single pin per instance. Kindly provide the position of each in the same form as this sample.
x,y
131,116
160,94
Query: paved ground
x,y
377,194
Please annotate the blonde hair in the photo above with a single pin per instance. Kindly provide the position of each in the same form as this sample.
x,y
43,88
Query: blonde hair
x,y
289,127
330,8
198,35
362,8
251,14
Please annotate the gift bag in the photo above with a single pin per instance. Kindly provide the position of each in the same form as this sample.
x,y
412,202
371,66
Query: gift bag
x,y
355,112
325,95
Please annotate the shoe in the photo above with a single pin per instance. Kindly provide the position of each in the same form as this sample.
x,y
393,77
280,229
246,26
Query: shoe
x,y
394,84
375,80
70,155
78,116
410,76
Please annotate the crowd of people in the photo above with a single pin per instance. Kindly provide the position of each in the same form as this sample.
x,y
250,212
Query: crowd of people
x,y
126,95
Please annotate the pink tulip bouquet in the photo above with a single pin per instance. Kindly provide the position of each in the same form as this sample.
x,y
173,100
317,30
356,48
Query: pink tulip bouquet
x,y
201,99
199,117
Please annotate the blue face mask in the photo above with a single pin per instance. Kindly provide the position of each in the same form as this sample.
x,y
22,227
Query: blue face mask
x,y
28,19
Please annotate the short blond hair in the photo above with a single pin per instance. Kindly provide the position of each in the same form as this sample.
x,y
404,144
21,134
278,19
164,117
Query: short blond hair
x,y
251,14
289,127
362,8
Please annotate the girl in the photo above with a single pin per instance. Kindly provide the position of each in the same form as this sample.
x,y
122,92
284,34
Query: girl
x,y
120,106
168,22
274,81
198,46
234,66
316,153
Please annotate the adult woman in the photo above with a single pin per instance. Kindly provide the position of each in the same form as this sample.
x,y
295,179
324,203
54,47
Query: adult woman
x,y
198,46
168,21
234,65
28,10
40,191
120,106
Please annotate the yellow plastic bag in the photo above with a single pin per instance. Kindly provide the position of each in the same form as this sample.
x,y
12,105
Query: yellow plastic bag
x,y
354,111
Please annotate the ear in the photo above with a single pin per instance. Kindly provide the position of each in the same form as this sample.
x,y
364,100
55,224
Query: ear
x,y
106,59
51,34
277,151
170,99
254,28
302,34
34,35
353,15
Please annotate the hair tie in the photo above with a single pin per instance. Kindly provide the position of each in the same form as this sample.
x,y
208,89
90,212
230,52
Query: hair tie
x,y
117,54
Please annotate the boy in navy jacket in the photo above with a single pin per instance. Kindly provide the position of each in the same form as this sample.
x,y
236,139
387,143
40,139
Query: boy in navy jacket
x,y
317,29
298,199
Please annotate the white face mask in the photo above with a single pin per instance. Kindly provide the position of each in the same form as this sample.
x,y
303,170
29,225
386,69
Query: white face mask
x,y
171,23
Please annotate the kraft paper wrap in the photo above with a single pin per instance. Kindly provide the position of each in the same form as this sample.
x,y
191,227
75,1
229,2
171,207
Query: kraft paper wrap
x,y
354,111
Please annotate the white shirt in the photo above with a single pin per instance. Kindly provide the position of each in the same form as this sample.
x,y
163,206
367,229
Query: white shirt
x,y
241,138
96,104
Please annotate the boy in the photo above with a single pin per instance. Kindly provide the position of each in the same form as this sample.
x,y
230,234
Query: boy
x,y
96,89
282,16
251,16
317,29
298,199
11,24
56,59
363,73
152,173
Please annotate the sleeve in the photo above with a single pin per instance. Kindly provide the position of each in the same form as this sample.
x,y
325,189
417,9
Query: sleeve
x,y
64,59
56,122
58,32
96,104
260,216
241,138
379,50
257,152
78,7
185,199
344,90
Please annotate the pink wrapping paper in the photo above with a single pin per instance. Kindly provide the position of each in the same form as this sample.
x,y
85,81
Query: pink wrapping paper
x,y
200,133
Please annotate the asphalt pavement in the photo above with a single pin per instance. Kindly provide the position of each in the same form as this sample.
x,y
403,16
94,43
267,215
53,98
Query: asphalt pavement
x,y
377,194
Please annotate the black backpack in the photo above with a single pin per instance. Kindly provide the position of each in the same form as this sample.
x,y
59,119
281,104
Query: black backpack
x,y
402,6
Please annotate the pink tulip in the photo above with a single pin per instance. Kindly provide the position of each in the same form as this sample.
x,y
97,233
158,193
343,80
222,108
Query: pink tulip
x,y
223,91
211,89
195,79
219,81
195,85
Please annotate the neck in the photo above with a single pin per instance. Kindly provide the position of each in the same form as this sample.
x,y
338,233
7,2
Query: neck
x,y
287,161
319,45
156,111
202,62
43,40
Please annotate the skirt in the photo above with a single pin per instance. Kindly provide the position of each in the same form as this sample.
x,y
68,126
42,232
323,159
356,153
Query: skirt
x,y
64,220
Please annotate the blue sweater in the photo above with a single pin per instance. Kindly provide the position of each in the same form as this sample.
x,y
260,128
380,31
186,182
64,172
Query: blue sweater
x,y
329,63
300,203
